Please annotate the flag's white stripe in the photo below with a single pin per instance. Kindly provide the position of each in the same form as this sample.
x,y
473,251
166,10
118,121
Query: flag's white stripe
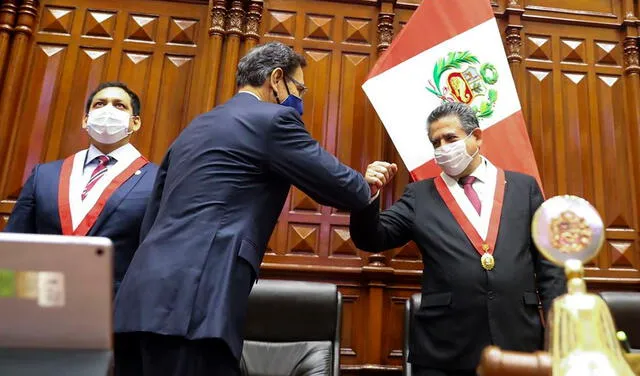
x,y
403,103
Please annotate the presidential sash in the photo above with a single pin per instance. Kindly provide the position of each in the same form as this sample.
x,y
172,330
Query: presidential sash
x,y
484,248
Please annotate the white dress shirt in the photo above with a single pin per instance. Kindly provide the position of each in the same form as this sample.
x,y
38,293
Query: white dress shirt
x,y
84,163
485,186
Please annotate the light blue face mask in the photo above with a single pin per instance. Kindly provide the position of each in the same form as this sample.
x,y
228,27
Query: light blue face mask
x,y
291,100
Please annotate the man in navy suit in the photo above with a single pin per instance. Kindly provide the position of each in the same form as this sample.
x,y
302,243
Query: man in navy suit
x,y
483,277
99,191
220,189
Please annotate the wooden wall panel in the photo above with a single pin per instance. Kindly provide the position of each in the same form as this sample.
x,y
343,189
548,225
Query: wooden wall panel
x,y
340,50
44,83
587,151
150,45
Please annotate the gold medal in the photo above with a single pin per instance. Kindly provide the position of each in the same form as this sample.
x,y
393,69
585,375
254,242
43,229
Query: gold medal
x,y
487,261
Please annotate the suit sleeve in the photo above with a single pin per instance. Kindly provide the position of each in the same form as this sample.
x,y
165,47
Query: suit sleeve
x,y
23,216
153,205
296,156
550,278
373,231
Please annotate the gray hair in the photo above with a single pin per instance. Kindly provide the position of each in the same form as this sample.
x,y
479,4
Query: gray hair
x,y
465,114
256,66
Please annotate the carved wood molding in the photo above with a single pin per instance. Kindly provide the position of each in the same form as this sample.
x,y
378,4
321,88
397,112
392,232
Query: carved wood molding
x,y
254,17
27,14
368,275
631,56
514,44
235,19
218,15
8,13
514,4
385,30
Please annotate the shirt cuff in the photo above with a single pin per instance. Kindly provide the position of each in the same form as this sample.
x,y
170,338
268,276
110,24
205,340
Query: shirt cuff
x,y
372,199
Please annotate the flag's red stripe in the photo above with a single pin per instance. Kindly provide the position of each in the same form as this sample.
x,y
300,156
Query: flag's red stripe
x,y
434,22
506,144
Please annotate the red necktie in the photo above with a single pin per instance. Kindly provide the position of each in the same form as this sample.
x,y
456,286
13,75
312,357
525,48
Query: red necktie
x,y
472,195
97,173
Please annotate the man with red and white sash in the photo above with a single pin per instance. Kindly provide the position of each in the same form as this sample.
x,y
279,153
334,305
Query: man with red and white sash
x,y
483,278
99,191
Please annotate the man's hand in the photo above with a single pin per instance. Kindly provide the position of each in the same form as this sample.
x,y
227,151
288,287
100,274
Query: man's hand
x,y
379,174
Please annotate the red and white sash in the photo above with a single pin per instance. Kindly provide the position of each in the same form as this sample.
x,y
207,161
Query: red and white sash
x,y
481,246
77,216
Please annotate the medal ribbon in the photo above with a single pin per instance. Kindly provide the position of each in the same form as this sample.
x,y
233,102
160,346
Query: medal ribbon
x,y
481,246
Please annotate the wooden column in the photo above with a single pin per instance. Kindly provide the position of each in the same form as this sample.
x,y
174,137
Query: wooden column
x,y
628,11
234,28
389,153
13,82
377,273
632,78
514,45
252,27
8,12
216,37
377,278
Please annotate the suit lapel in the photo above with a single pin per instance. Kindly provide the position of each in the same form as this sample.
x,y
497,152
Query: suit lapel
x,y
116,199
54,193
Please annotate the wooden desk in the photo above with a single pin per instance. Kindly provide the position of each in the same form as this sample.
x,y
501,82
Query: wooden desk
x,y
496,362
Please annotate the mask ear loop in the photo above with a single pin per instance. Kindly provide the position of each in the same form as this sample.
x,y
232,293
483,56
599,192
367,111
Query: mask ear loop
x,y
276,94
477,148
286,86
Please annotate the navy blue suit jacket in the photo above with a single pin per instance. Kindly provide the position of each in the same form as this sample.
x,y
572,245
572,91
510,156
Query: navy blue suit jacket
x,y
216,200
36,211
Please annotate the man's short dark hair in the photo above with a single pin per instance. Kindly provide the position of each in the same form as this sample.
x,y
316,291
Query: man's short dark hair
x,y
256,66
135,100
465,114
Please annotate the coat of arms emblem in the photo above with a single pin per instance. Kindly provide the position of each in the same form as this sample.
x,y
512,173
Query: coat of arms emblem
x,y
570,233
460,77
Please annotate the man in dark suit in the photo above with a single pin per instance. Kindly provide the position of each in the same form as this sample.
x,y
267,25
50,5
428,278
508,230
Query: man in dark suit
x,y
99,191
219,191
472,225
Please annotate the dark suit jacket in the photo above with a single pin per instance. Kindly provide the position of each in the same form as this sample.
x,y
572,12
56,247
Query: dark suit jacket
x,y
36,211
465,308
216,200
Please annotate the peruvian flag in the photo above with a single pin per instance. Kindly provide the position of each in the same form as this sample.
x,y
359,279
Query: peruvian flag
x,y
450,50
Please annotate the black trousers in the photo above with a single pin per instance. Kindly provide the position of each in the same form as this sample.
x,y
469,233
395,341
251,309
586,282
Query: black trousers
x,y
150,354
417,370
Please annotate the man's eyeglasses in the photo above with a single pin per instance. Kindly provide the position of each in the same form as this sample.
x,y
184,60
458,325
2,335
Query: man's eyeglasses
x,y
301,88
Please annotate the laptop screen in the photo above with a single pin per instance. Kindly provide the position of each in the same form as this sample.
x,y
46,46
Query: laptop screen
x,y
55,292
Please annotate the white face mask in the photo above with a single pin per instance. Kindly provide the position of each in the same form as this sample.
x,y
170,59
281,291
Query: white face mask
x,y
453,158
108,125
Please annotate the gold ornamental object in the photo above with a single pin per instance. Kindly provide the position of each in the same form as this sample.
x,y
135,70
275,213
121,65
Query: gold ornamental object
x,y
580,335
487,261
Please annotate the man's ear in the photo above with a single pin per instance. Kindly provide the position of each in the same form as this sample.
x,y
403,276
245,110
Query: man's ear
x,y
84,121
478,135
135,123
275,77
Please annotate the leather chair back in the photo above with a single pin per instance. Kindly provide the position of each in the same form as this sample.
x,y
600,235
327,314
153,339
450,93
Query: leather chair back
x,y
625,309
292,329
411,306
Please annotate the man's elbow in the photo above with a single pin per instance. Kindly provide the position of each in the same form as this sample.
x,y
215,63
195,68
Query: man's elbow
x,y
365,241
